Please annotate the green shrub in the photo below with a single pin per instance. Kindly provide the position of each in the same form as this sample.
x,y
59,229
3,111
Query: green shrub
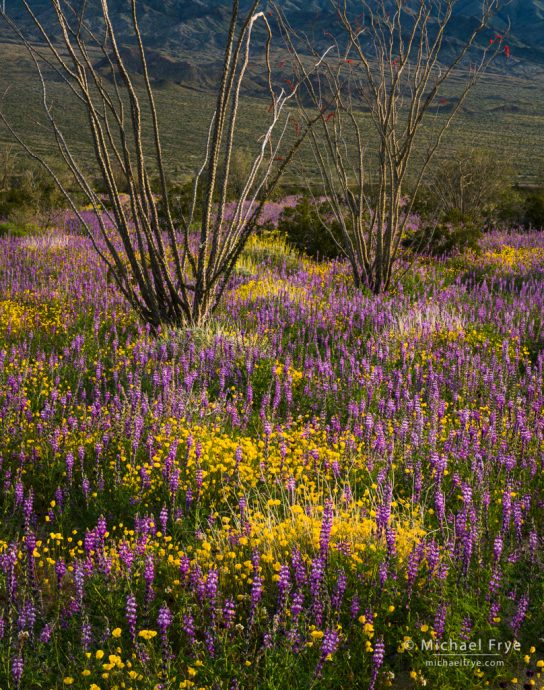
x,y
15,230
474,184
181,199
30,197
454,233
303,227
534,209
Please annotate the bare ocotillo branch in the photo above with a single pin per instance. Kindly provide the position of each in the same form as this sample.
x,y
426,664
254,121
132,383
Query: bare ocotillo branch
x,y
391,60
170,275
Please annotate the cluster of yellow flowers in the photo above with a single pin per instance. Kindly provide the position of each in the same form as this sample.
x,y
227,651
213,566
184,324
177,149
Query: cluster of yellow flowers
x,y
268,287
22,315
484,339
511,258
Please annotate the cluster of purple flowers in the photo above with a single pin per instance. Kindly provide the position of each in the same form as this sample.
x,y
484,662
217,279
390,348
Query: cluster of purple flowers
x,y
322,453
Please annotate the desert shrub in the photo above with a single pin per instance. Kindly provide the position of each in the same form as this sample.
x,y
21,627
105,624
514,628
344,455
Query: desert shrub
x,y
121,181
180,195
240,166
511,209
473,184
303,228
454,233
9,228
534,209
29,196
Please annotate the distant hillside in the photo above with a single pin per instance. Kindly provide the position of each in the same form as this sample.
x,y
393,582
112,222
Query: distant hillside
x,y
183,41
184,38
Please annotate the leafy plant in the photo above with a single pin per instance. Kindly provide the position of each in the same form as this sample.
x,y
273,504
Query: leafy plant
x,y
16,230
534,210
304,228
472,184
29,196
454,233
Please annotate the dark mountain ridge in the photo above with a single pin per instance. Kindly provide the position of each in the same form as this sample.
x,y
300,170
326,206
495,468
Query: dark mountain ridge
x,y
184,37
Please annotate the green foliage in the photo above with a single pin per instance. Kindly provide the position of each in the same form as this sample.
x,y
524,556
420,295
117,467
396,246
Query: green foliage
x,y
121,181
474,184
15,230
240,166
304,229
453,234
180,197
267,248
522,207
28,194
534,209
511,211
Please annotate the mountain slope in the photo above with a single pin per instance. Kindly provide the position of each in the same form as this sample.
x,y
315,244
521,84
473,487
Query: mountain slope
x,y
179,27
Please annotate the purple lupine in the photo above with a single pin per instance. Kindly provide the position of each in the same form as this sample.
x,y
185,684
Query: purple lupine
x,y
329,646
433,556
60,570
494,611
164,621
45,635
440,504
229,612
297,607
383,513
86,635
126,555
79,583
339,590
212,582
149,578
378,656
256,585
188,626
238,456
28,508
284,585
27,616
355,607
69,466
495,583
209,641
326,526
391,541
17,667
466,629
19,492
498,546
440,621
299,569
131,615
317,573
519,615
163,518
199,478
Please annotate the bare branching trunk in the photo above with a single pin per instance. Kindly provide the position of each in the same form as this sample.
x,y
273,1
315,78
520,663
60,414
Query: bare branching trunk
x,y
392,59
8,164
170,275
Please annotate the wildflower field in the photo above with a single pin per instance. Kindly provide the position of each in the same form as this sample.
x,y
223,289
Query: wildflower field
x,y
309,493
